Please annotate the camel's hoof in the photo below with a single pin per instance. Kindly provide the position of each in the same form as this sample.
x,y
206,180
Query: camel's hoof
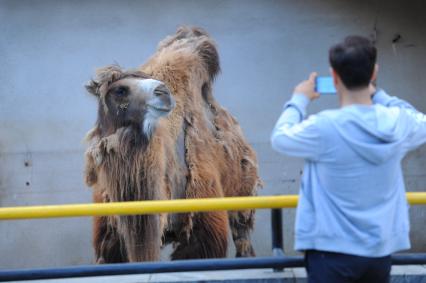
x,y
100,260
244,248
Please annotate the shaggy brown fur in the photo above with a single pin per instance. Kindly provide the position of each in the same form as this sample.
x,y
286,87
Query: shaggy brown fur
x,y
197,151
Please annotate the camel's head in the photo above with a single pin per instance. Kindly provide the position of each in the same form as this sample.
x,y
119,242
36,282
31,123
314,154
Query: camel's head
x,y
129,98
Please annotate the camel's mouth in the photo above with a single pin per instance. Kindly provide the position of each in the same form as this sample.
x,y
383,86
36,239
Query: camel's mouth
x,y
160,109
154,113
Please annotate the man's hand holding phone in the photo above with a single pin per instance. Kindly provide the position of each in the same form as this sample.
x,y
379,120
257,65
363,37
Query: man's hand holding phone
x,y
307,88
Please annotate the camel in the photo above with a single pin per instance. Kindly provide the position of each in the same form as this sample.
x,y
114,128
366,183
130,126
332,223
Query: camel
x,y
161,135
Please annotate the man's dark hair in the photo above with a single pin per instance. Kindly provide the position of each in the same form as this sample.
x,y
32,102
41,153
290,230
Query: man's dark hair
x,y
354,60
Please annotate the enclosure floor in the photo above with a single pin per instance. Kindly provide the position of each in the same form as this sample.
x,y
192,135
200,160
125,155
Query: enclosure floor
x,y
400,274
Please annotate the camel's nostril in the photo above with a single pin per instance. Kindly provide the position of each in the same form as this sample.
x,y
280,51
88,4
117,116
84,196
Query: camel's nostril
x,y
161,90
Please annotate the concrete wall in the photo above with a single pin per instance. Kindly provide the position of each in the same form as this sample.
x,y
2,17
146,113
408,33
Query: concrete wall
x,y
49,49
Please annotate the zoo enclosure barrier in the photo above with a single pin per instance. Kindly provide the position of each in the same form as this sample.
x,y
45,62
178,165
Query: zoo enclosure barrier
x,y
278,261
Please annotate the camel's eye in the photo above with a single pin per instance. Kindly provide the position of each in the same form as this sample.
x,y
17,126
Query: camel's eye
x,y
121,91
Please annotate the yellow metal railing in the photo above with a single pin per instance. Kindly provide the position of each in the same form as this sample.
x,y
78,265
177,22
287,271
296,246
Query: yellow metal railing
x,y
166,206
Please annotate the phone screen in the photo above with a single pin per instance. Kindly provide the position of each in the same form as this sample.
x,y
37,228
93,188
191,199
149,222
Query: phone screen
x,y
324,85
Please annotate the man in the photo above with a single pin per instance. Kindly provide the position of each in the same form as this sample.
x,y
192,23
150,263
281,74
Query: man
x,y
352,213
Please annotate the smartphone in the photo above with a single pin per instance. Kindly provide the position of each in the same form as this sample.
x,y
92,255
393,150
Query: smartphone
x,y
325,85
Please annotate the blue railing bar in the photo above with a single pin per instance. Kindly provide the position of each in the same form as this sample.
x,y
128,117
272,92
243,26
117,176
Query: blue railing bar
x,y
176,266
409,258
149,267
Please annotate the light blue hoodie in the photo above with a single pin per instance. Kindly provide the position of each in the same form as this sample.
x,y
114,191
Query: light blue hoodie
x,y
352,195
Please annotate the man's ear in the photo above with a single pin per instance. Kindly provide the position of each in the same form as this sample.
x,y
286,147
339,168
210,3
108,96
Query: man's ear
x,y
336,78
375,72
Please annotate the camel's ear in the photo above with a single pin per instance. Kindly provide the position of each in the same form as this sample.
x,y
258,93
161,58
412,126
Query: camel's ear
x,y
105,75
93,87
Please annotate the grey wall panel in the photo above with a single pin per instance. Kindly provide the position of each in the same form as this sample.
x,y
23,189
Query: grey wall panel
x,y
49,49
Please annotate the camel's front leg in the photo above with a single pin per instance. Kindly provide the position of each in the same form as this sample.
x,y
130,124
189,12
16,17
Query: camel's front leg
x,y
142,237
107,242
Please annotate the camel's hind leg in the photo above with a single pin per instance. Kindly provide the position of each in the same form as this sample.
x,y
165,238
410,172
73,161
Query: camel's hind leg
x,y
241,223
208,238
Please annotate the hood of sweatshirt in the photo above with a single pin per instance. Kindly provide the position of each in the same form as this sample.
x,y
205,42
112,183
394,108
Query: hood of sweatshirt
x,y
375,132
